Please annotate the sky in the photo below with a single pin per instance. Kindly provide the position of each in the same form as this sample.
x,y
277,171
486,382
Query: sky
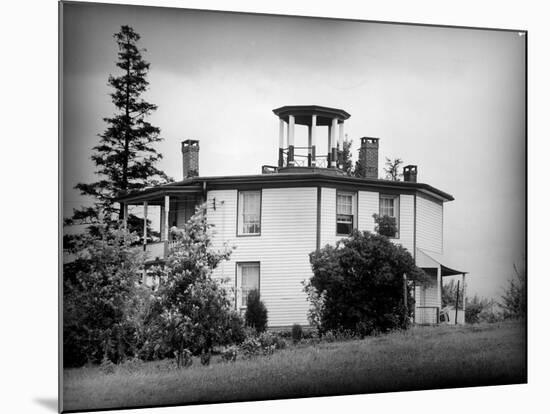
x,y
449,100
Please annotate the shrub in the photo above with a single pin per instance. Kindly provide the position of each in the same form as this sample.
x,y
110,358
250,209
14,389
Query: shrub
x,y
196,313
107,366
361,280
230,354
296,333
514,299
205,358
385,225
256,312
183,358
250,347
99,287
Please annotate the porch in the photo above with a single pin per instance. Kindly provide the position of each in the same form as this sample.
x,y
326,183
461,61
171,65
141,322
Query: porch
x,y
162,209
428,298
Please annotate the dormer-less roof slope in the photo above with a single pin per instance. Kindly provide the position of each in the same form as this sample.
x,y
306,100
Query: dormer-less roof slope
x,y
201,184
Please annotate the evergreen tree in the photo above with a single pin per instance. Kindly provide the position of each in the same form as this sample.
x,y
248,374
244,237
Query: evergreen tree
x,y
125,157
346,161
514,299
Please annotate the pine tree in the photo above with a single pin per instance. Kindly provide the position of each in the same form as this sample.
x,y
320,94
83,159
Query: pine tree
x,y
346,161
125,157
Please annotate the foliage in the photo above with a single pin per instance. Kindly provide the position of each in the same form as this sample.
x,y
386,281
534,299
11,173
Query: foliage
x,y
230,354
196,311
514,299
481,310
125,156
448,294
99,291
362,283
385,225
346,161
256,312
264,343
297,333
392,169
316,301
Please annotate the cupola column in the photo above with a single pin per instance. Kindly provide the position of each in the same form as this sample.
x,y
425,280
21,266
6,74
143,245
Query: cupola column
x,y
341,143
312,136
281,142
333,158
290,140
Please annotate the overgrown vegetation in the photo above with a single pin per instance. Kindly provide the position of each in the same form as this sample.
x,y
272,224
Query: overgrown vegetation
x,y
109,316
256,312
514,299
361,283
419,358
101,298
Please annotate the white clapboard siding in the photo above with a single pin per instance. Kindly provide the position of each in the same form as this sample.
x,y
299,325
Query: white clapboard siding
x,y
429,224
427,303
328,217
288,235
368,204
406,223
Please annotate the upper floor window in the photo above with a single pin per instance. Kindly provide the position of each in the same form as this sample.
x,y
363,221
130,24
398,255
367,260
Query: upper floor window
x,y
389,206
345,208
249,219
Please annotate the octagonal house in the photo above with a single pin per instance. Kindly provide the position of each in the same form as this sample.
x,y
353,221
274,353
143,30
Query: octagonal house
x,y
306,201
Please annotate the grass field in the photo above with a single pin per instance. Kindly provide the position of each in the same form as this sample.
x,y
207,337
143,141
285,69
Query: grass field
x,y
423,357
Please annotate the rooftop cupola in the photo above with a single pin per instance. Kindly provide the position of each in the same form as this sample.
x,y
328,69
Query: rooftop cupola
x,y
293,158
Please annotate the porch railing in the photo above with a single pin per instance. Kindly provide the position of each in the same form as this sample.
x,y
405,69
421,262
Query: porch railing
x,y
426,315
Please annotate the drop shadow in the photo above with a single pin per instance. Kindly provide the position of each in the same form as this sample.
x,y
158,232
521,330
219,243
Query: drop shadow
x,y
49,403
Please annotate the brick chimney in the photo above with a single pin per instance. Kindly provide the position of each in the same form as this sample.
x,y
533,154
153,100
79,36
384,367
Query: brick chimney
x,y
368,156
409,173
190,157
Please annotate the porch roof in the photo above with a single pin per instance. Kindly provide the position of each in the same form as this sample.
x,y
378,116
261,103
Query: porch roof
x,y
432,259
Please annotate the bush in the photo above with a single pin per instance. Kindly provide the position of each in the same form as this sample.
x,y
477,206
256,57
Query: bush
x,y
250,347
297,333
230,354
196,313
256,312
385,225
99,288
183,358
361,281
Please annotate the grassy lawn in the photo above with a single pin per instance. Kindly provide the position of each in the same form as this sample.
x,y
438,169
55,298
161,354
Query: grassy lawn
x,y
423,357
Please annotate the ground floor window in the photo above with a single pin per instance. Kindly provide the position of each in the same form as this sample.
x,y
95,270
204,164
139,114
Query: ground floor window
x,y
248,278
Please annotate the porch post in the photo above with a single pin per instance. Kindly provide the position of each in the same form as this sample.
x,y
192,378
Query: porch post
x,y
145,225
405,293
439,285
464,296
166,214
125,216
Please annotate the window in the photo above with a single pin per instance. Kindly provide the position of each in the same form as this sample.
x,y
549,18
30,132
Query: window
x,y
249,213
248,278
389,206
345,208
